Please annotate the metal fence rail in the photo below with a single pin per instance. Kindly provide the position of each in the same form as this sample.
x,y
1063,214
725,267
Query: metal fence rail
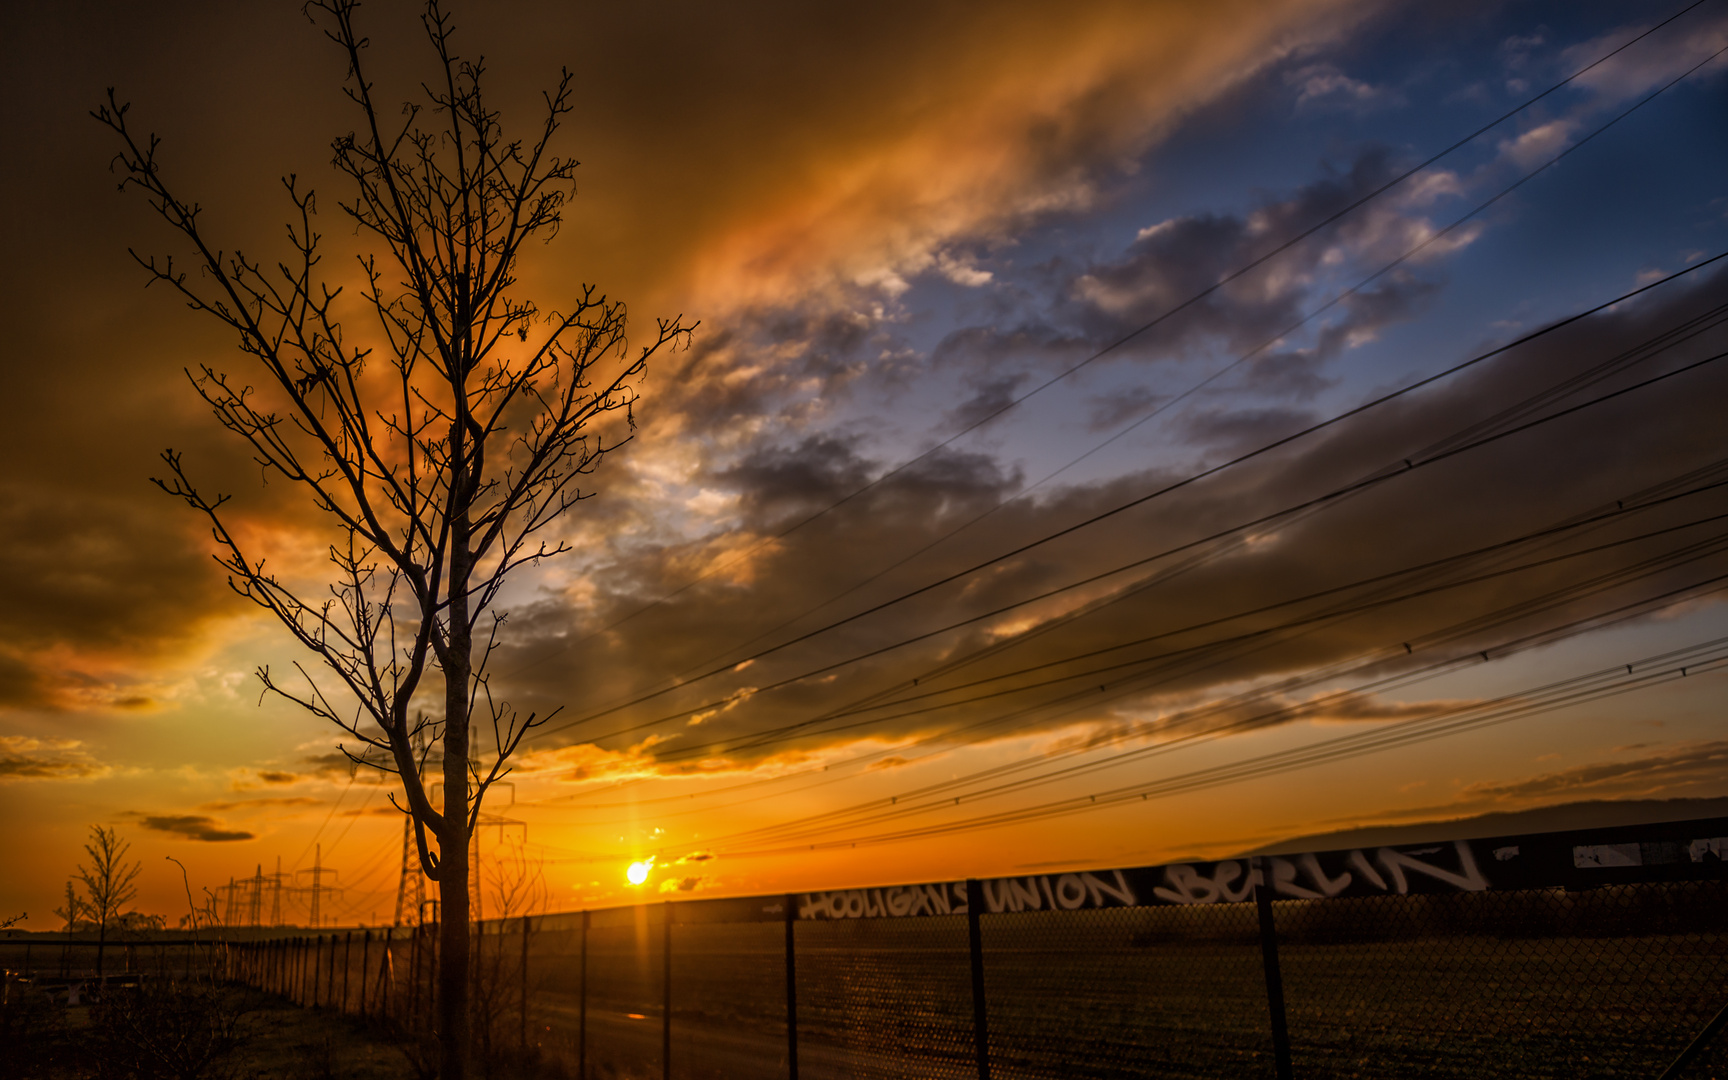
x,y
1599,953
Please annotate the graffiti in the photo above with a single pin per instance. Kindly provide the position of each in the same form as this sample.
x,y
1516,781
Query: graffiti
x,y
1186,885
1067,892
948,898
1306,878
1466,879
1460,866
1053,892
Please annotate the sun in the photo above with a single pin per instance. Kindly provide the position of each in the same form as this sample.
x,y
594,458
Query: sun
x,y
637,872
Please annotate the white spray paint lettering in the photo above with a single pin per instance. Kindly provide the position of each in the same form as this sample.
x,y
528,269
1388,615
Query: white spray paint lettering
x,y
1066,892
1228,883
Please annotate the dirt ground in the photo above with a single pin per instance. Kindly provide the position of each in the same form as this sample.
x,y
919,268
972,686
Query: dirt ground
x,y
275,1041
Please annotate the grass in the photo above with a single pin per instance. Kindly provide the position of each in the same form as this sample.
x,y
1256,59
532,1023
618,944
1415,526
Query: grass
x,y
272,1040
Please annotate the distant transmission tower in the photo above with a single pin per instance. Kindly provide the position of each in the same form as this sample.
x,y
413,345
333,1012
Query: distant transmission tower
x,y
411,887
318,872
256,897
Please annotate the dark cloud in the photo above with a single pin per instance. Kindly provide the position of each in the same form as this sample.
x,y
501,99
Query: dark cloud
x,y
287,802
795,112
1674,768
21,683
103,578
989,397
1235,432
779,482
1112,410
193,827
334,765
1294,375
1068,310
846,562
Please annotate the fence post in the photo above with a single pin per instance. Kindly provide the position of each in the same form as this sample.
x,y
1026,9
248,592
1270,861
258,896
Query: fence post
x,y
365,962
791,988
582,1005
434,948
666,996
386,972
414,975
1274,978
347,962
524,981
980,1015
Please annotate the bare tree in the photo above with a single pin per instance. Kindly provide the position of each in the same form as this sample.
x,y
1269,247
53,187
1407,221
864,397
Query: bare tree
x,y
518,881
516,884
440,450
109,880
72,912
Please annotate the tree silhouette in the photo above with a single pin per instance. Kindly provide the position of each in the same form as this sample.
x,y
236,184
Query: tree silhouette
x,y
74,910
439,453
109,880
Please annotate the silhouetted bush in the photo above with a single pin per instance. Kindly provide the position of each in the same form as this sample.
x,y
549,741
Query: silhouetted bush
x,y
168,1031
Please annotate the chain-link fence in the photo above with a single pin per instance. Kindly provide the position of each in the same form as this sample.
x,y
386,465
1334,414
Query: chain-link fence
x,y
1599,954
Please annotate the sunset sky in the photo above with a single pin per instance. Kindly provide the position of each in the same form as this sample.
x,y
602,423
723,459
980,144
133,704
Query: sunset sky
x,y
901,578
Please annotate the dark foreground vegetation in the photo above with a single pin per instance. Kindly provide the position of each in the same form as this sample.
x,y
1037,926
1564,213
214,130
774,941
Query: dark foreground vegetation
x,y
197,1031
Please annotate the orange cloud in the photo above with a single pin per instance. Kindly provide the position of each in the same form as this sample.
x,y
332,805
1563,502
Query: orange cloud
x,y
26,758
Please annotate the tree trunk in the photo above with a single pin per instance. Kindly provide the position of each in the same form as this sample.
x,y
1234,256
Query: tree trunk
x,y
453,956
453,846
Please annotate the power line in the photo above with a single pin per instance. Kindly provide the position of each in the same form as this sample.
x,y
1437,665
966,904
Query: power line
x,y
682,677
1409,466
802,728
1636,502
1131,335
1621,678
1411,644
730,664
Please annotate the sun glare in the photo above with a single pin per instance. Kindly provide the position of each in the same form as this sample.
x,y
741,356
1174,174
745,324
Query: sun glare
x,y
638,871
